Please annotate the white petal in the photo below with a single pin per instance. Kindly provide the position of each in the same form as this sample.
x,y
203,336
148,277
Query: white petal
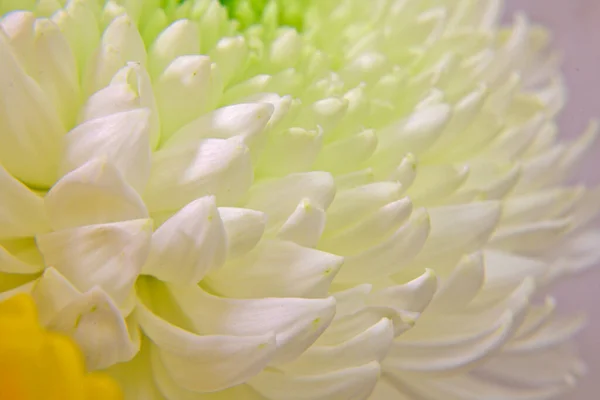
x,y
370,345
20,34
463,114
122,138
350,301
205,363
280,197
56,69
389,257
505,271
172,391
326,113
286,48
244,120
52,293
230,54
288,151
469,325
183,173
351,383
435,182
555,332
22,211
535,171
342,155
360,202
277,269
242,90
415,134
539,205
510,144
285,109
459,229
349,326
370,231
470,387
79,24
108,255
354,179
406,172
304,226
578,253
13,284
386,391
30,128
543,368
530,239
97,325
296,322
129,89
431,358
135,376
579,148
182,37
94,193
536,317
189,244
121,43
463,284
185,90
244,229
13,265
412,296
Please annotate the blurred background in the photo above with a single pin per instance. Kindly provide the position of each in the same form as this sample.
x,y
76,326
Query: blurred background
x,y
576,28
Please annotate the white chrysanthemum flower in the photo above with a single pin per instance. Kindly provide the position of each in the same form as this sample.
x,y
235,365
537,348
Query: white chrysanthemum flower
x,y
222,206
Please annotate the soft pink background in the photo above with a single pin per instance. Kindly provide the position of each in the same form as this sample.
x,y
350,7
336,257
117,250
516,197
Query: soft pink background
x,y
576,27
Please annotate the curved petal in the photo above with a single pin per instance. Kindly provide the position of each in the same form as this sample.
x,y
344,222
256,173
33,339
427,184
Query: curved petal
x,y
432,358
22,211
412,296
94,193
189,244
205,363
244,229
30,128
185,90
371,345
280,197
180,38
370,231
296,322
351,383
289,151
96,324
245,120
183,173
277,269
121,43
360,202
122,138
305,225
459,229
108,255
387,258
128,90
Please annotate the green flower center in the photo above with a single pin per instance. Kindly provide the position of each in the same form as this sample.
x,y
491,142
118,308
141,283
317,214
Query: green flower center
x,y
250,12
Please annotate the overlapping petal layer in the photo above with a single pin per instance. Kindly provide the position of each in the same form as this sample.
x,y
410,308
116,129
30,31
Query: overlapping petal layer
x,y
361,207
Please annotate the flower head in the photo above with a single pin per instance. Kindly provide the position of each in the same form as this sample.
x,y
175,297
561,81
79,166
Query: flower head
x,y
292,200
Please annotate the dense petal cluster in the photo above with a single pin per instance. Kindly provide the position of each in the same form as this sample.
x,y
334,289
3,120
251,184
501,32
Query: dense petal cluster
x,y
356,201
